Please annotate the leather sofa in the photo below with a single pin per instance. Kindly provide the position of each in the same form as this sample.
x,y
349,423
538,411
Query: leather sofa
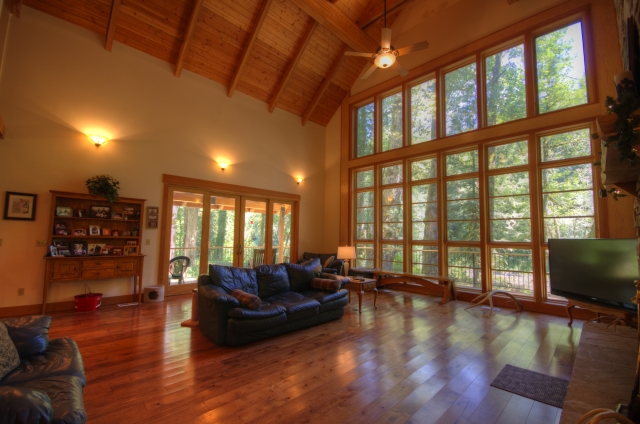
x,y
46,387
333,267
288,301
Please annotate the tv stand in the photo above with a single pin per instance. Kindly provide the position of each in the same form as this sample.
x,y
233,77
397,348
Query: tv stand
x,y
616,314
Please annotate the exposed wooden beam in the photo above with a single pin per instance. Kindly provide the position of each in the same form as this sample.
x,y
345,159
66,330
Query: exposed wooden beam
x,y
375,11
247,47
187,37
290,68
331,17
111,29
323,86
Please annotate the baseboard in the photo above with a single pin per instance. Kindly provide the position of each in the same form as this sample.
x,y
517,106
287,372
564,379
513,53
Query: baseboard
x,y
18,311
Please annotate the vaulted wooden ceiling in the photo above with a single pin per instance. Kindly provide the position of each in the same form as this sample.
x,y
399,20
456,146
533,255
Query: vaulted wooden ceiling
x,y
287,53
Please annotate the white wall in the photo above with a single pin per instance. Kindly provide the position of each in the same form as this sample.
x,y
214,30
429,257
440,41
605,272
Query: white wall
x,y
58,83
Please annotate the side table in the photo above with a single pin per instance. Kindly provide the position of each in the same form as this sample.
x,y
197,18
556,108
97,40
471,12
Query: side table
x,y
359,286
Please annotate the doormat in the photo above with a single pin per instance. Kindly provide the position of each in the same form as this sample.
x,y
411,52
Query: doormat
x,y
532,385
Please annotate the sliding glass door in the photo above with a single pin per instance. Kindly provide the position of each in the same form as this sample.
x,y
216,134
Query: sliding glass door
x,y
234,230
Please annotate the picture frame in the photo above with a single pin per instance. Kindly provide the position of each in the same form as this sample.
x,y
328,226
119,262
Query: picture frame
x,y
106,231
79,248
130,250
64,211
64,252
107,250
153,213
79,232
132,242
60,229
60,244
116,251
95,248
128,210
102,212
94,230
117,215
53,251
82,213
115,233
21,206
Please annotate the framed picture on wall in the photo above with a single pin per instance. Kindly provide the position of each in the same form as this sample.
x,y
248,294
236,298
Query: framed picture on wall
x,y
152,216
20,206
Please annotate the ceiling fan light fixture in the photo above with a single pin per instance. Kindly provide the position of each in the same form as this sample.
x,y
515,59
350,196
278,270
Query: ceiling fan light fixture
x,y
385,60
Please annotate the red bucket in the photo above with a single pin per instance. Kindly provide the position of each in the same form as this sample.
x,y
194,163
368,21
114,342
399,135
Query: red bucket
x,y
87,301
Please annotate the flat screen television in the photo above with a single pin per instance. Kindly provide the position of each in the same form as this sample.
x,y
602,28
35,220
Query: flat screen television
x,y
598,271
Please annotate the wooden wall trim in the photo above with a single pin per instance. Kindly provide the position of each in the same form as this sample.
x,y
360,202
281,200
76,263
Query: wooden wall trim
x,y
224,187
19,311
193,20
344,238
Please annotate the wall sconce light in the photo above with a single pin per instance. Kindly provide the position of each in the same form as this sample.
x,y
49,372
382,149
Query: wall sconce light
x,y
299,180
98,140
223,165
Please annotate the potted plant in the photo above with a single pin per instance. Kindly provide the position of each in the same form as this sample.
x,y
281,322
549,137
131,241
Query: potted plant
x,y
105,186
135,230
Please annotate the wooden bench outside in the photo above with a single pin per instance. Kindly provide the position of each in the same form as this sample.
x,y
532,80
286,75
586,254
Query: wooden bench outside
x,y
432,284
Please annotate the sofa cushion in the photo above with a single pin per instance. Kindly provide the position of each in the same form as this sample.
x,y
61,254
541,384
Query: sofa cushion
x,y
327,263
300,275
327,284
230,277
30,334
296,305
272,279
324,296
267,311
243,326
9,358
247,300
61,358
322,256
22,405
65,394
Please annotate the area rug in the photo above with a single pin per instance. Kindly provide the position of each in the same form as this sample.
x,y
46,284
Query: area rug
x,y
532,385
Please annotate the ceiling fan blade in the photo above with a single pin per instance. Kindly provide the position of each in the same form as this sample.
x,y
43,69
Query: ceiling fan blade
x,y
369,71
386,38
414,48
359,54
399,68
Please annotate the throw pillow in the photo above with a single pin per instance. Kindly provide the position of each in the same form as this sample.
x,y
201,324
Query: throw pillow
x,y
247,300
300,275
9,358
29,334
328,261
325,284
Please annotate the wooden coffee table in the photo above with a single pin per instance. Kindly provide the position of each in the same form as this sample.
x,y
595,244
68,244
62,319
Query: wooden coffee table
x,y
359,286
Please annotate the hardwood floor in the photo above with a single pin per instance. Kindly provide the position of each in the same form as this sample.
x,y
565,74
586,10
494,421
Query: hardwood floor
x,y
409,361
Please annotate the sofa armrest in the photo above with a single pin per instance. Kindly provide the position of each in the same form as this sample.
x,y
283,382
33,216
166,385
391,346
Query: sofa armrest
x,y
204,280
29,334
24,405
214,305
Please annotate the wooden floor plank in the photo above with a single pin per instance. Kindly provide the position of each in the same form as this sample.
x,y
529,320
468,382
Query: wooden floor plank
x,y
411,360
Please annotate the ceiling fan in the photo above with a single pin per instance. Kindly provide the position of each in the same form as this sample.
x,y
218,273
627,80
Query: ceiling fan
x,y
385,56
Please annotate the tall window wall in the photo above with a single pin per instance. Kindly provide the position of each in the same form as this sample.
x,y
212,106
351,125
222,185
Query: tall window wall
x,y
483,212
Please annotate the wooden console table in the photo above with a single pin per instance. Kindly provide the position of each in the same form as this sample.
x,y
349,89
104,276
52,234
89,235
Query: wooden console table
x,y
80,268
616,313
444,286
359,286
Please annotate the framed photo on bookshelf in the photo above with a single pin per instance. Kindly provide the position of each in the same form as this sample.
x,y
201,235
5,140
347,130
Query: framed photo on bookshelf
x,y
106,231
96,248
20,206
94,230
64,211
130,250
60,243
132,242
64,252
60,229
79,248
116,251
79,232
53,250
100,211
